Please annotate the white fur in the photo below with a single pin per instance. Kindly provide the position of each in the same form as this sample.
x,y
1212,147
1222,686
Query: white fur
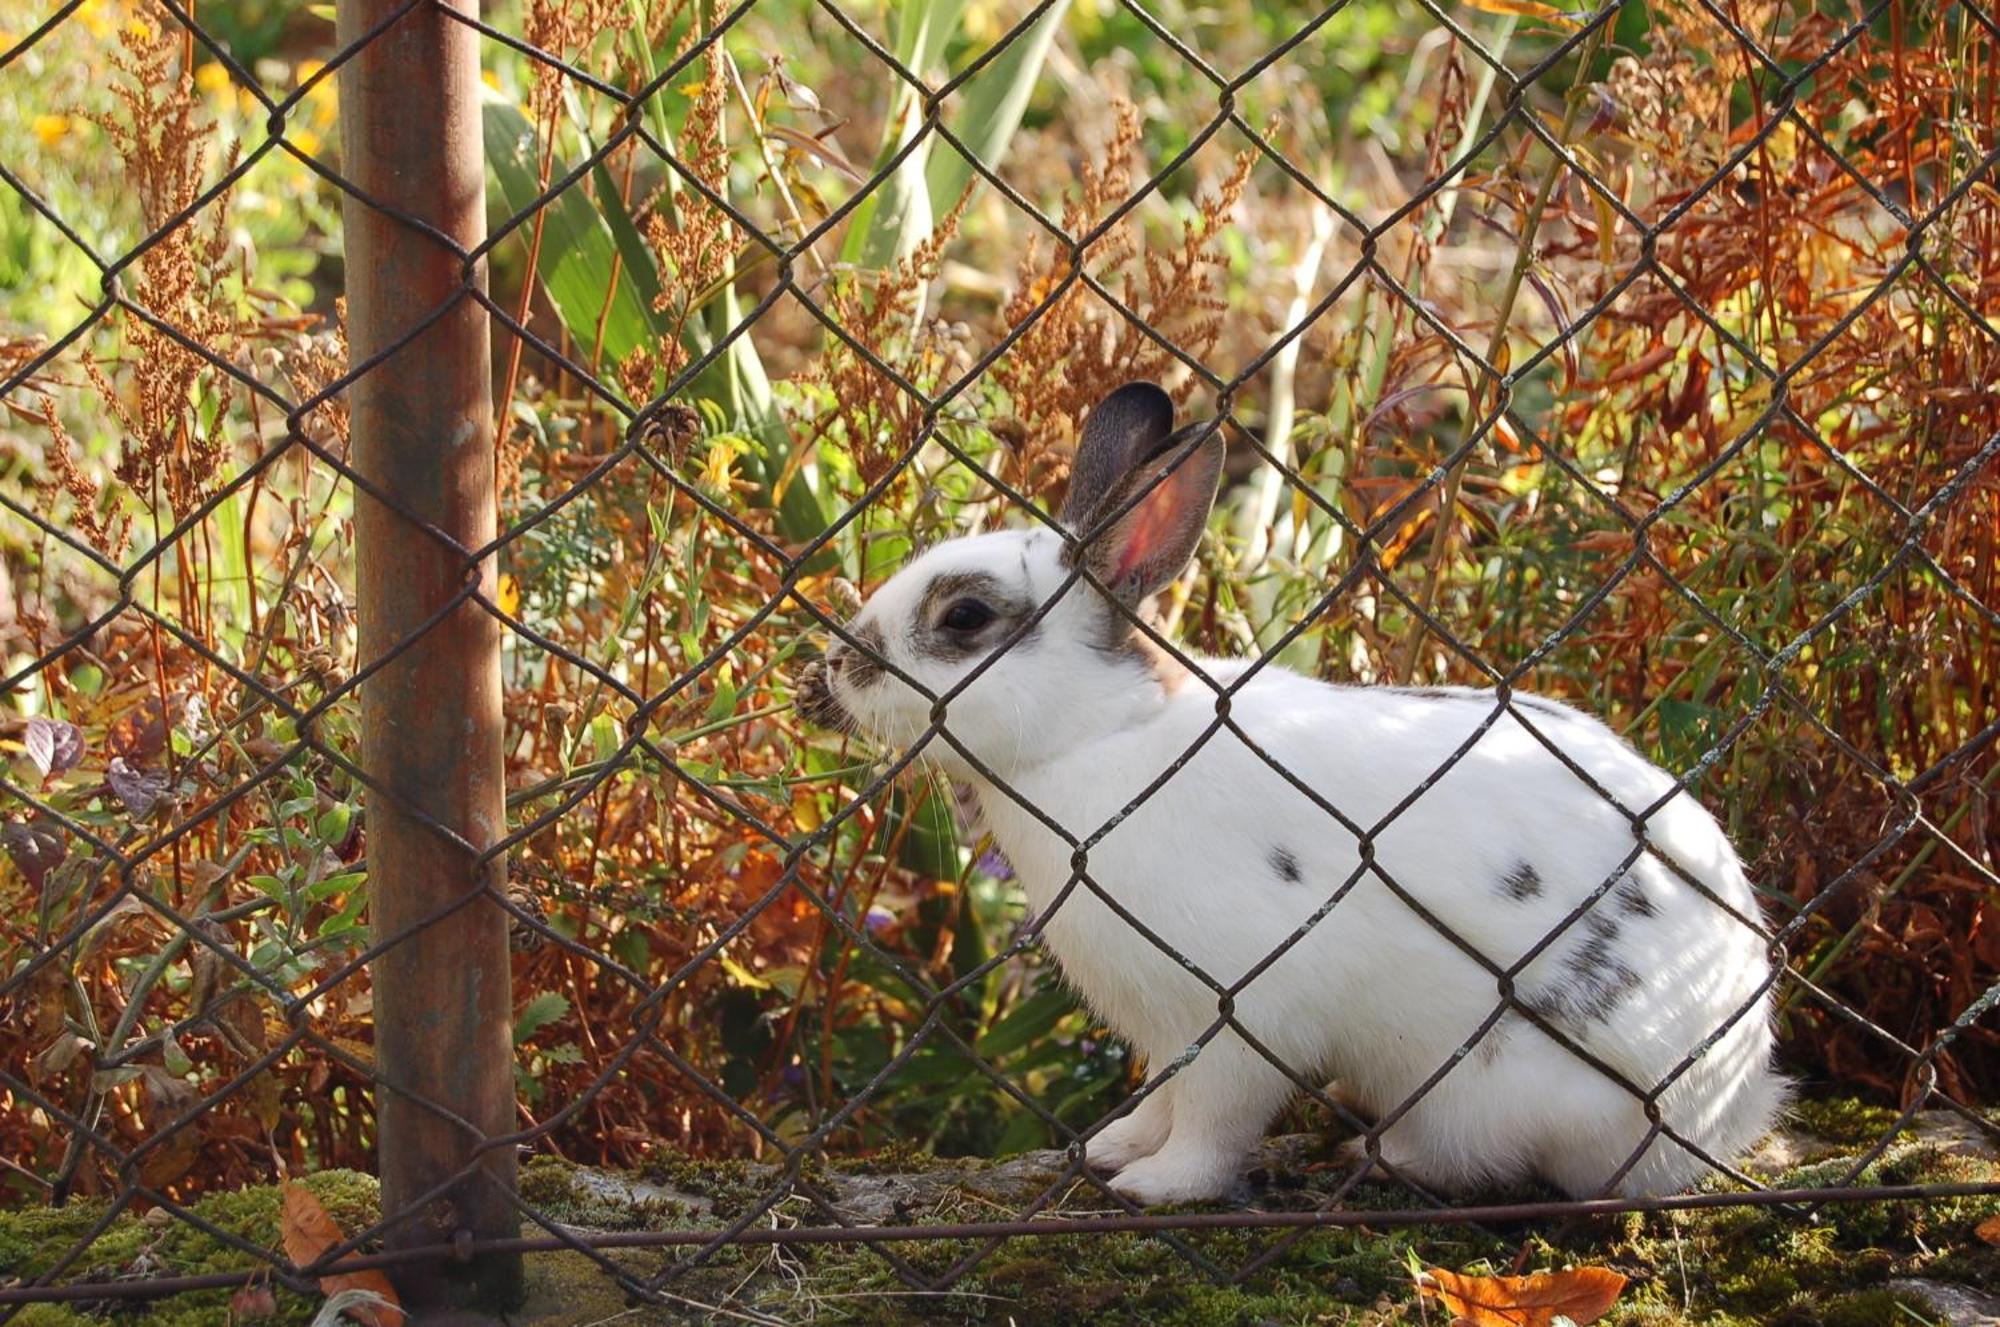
x,y
1372,996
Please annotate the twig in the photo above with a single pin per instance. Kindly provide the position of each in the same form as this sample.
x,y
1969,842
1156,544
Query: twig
x,y
1524,257
770,166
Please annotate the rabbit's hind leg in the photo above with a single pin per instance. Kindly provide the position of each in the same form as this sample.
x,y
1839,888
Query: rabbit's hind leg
x,y
1399,1162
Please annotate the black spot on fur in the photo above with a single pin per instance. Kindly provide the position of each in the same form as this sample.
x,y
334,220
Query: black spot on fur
x,y
1594,979
1633,900
1520,700
1522,883
1286,865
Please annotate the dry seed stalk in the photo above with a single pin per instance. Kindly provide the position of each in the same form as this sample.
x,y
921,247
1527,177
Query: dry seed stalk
x,y
1060,364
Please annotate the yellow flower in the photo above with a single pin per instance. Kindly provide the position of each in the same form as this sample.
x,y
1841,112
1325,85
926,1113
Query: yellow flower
x,y
805,810
324,95
140,28
211,77
92,14
51,129
718,469
305,140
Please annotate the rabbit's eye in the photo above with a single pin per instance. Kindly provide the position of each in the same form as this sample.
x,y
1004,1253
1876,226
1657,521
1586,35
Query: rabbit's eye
x,y
966,615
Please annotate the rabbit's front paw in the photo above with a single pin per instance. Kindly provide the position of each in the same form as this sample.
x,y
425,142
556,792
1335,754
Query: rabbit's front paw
x,y
1177,1175
1125,1141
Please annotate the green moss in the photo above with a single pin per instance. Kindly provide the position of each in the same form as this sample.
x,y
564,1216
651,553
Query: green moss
x,y
732,1186
554,1188
1870,1308
1702,1268
32,1240
1842,1120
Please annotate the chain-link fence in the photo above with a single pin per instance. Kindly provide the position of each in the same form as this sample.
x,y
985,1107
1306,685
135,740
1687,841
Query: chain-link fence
x,y
196,874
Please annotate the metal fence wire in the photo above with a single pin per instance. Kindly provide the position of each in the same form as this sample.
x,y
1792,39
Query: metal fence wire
x,y
433,618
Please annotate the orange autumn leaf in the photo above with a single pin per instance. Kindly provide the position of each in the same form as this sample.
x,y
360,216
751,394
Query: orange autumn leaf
x,y
1581,1294
310,1232
1988,1230
1526,9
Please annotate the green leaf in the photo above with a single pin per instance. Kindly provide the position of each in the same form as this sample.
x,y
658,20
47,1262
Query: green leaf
x,y
896,217
639,262
348,918
234,575
989,109
604,736
332,827
344,883
580,248
1030,1020
537,1014
931,845
900,215
929,1066
1024,1132
632,948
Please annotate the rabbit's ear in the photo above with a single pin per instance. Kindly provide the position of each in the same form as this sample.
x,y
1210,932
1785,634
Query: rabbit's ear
x,y
1124,431
1141,551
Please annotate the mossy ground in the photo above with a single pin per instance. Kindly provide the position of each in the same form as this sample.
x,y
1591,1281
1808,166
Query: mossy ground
x,y
33,1239
1709,1268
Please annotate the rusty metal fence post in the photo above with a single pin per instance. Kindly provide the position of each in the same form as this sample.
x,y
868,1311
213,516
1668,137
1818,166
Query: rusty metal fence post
x,y
431,718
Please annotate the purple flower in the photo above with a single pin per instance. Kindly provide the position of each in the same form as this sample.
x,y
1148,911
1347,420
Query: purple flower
x,y
993,862
789,1083
878,919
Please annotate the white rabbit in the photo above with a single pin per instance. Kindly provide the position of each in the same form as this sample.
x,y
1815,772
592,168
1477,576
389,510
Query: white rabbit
x,y
1228,857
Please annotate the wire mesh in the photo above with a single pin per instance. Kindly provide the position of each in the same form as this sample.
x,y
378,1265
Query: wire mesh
x,y
142,1158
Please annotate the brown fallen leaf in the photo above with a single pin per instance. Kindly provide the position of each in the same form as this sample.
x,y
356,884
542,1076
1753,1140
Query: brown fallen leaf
x,y
310,1232
172,1159
1581,1294
253,1303
1989,1230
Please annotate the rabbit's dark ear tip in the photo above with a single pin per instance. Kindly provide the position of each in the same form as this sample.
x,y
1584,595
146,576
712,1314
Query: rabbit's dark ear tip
x,y
1140,405
1141,394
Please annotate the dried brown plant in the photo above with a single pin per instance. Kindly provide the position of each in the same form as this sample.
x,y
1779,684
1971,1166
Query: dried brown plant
x,y
566,29
876,418
690,237
1079,341
110,533
315,359
161,138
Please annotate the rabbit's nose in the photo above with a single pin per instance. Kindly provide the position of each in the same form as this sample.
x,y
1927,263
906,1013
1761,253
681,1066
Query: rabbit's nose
x,y
858,660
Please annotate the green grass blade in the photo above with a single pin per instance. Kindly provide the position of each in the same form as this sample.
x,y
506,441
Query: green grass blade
x,y
989,109
579,246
